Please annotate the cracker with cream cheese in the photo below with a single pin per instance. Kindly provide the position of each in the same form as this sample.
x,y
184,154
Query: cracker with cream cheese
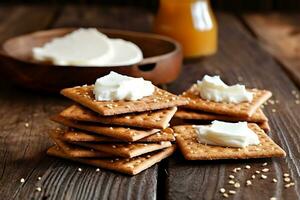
x,y
243,109
160,99
186,138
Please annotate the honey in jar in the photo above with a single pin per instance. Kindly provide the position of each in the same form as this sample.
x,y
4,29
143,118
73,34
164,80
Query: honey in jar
x,y
191,23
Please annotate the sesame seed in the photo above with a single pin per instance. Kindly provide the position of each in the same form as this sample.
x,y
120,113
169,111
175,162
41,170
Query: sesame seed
x,y
79,169
274,180
231,182
287,179
257,172
148,156
39,178
222,190
273,198
273,110
22,180
26,125
286,175
263,176
297,101
114,146
231,176
253,176
294,92
248,182
238,168
97,170
237,185
287,185
231,192
264,164
265,170
38,189
225,195
247,167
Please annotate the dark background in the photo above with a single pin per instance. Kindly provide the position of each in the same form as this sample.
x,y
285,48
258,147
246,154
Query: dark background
x,y
229,5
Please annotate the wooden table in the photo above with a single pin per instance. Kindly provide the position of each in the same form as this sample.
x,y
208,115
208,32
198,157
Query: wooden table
x,y
257,62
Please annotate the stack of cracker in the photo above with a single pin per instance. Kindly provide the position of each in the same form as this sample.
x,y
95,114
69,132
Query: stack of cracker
x,y
123,136
202,110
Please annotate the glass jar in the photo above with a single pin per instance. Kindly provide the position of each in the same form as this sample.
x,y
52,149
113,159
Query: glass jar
x,y
191,23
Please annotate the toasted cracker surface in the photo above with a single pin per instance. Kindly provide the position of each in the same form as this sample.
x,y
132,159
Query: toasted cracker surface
x,y
265,126
258,116
244,109
151,119
121,133
191,149
80,136
126,150
74,150
161,99
129,166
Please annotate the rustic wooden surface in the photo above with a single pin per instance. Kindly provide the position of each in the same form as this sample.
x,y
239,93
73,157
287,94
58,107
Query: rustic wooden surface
x,y
240,57
280,36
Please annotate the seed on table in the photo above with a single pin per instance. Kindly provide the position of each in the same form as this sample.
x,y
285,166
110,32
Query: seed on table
x,y
26,125
257,172
39,178
265,170
263,176
38,189
253,176
286,175
231,192
231,182
248,182
79,169
273,110
247,167
273,198
231,176
287,179
237,185
22,180
274,180
225,195
222,190
97,170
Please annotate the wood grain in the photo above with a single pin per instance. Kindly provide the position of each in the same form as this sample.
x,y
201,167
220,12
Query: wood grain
x,y
279,34
240,57
22,150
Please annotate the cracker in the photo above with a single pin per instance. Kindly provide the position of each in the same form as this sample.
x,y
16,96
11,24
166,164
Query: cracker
x,y
257,117
80,136
151,119
243,109
160,99
73,150
131,166
126,150
122,133
191,149
265,126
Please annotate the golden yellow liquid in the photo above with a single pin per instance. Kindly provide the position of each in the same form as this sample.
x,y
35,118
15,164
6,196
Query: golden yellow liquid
x,y
191,23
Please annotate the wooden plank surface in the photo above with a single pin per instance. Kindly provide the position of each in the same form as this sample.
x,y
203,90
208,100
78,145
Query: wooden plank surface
x,y
22,150
241,58
279,34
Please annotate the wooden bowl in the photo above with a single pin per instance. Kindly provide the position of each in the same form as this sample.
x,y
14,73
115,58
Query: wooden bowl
x,y
161,64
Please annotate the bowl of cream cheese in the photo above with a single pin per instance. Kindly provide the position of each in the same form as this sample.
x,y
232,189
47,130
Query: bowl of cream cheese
x,y
53,59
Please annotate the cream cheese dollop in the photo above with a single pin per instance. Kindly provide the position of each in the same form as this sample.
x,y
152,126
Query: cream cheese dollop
x,y
226,134
88,47
214,89
115,86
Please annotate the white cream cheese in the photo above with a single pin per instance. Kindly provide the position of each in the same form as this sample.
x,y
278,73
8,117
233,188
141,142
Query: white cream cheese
x,y
115,86
88,47
227,134
214,89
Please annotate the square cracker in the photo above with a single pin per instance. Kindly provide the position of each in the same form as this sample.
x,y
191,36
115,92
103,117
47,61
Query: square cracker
x,y
131,166
257,117
80,136
243,109
186,138
151,119
121,133
73,150
126,150
159,100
